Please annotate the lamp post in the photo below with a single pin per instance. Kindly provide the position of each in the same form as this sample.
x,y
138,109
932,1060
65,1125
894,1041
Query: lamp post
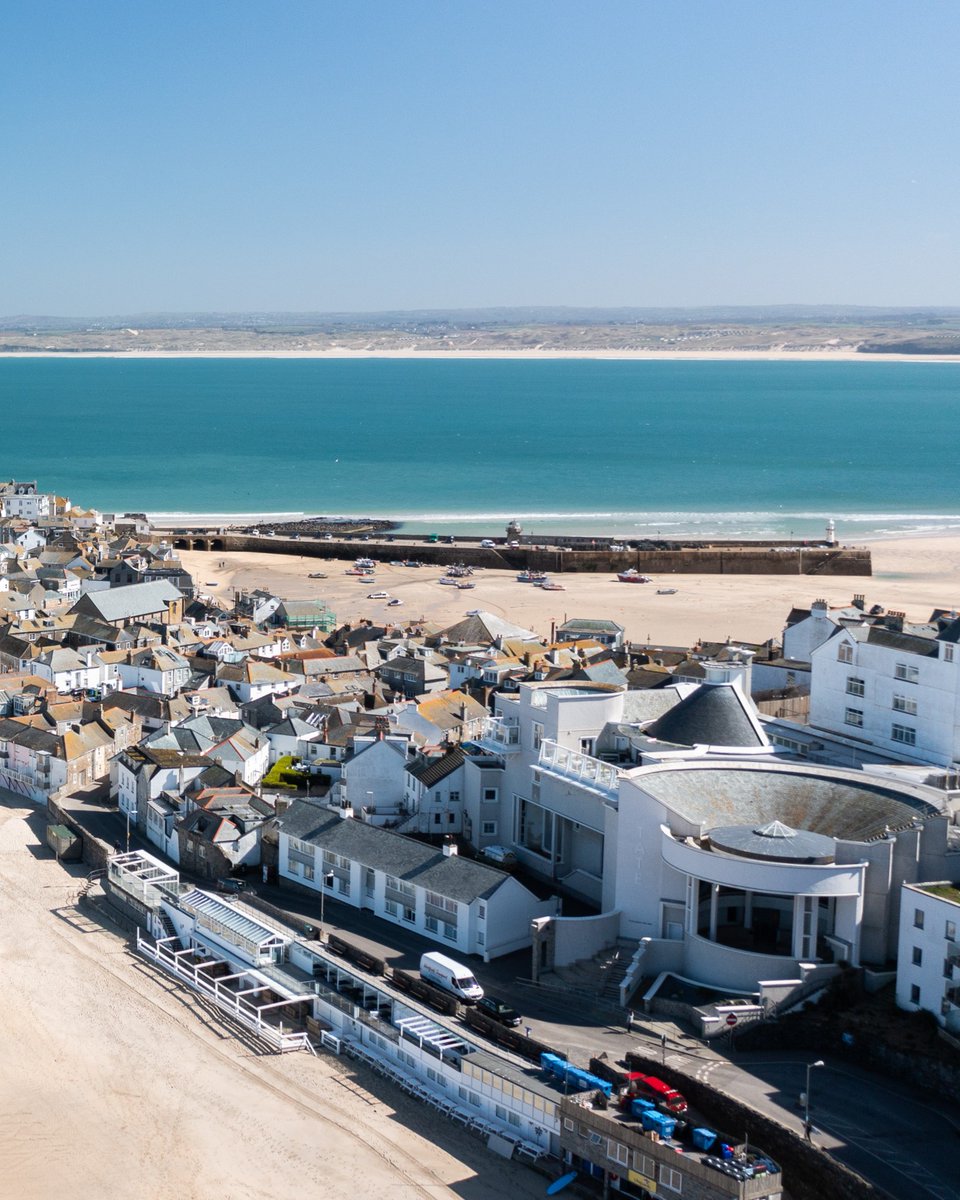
x,y
326,880
806,1094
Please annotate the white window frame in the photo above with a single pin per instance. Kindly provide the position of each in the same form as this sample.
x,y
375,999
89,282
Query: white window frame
x,y
855,686
906,672
670,1178
904,735
854,717
905,704
845,652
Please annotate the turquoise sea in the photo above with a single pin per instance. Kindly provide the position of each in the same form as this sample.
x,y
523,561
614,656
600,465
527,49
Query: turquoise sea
x,y
737,449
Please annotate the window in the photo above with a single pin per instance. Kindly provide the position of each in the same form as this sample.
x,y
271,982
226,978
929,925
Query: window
x,y
845,652
905,704
431,923
489,828
537,735
915,993
308,871
918,918
567,1123
370,880
854,686
948,651
618,1152
906,672
950,931
917,956
454,797
451,818
670,1178
480,939
436,818
481,911
491,795
904,734
409,914
853,716
502,1113
586,746
948,968
449,931
513,1118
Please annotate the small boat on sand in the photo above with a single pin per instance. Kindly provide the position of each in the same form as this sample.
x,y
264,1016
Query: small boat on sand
x,y
632,575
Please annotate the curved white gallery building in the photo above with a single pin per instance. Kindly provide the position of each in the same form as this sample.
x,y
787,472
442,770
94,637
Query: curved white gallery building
x,y
736,872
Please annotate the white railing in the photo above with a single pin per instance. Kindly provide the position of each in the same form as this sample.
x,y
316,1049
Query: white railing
x,y
192,974
582,768
498,736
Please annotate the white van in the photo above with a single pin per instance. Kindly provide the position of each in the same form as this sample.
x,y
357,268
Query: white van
x,y
452,976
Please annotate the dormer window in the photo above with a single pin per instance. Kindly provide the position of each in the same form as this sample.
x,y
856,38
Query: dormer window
x,y
845,652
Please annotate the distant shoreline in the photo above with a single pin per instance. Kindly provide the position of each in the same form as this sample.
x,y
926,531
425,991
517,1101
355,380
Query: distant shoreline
x,y
533,355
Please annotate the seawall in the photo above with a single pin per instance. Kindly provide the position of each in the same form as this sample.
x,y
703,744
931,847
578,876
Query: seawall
x,y
727,558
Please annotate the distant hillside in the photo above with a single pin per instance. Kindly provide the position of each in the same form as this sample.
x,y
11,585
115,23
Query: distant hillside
x,y
825,315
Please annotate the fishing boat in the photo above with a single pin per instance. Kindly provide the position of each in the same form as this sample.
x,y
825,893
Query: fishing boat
x,y
463,585
531,577
449,582
553,587
632,575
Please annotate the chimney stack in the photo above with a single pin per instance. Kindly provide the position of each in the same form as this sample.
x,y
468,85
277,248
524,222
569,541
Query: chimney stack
x,y
859,601
894,621
449,847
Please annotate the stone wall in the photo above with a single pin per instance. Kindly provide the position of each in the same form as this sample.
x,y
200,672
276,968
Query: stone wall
x,y
725,559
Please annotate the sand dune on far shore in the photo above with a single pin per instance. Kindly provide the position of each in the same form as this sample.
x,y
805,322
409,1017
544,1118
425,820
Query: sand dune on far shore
x,y
910,574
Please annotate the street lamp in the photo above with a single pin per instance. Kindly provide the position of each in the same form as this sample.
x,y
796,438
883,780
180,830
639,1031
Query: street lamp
x,y
326,880
806,1094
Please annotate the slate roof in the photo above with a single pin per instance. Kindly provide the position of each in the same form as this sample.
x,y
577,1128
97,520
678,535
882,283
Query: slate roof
x,y
136,600
836,803
713,715
431,770
461,879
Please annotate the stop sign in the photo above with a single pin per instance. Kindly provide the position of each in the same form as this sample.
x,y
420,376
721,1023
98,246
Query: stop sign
x,y
731,1019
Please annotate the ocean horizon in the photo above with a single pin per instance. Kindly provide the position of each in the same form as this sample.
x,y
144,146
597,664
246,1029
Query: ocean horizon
x,y
634,449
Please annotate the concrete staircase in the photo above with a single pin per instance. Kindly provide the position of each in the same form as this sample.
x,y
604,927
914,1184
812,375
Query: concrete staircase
x,y
597,978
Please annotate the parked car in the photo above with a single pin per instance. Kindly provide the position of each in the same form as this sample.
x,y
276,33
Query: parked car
x,y
378,595
502,855
488,543
394,603
498,1010
230,885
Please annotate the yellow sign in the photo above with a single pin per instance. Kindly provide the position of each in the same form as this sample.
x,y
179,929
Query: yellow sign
x,y
642,1181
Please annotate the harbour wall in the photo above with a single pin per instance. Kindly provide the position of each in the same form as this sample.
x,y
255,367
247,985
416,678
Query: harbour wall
x,y
728,558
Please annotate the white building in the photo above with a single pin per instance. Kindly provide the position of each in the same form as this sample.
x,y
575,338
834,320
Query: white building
x,y
928,960
466,906
895,690
153,669
24,501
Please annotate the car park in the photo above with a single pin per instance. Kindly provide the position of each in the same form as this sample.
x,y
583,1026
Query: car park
x,y
498,1010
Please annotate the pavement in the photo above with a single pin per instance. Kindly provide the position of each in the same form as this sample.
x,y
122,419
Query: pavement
x,y
897,1137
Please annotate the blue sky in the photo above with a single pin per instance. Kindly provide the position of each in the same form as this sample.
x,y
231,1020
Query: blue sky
x,y
312,155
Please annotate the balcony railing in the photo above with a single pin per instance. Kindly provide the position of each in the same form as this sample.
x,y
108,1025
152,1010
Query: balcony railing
x,y
498,737
582,769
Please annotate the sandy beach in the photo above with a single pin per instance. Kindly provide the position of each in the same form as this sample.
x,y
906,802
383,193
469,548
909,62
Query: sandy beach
x,y
118,1083
913,575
